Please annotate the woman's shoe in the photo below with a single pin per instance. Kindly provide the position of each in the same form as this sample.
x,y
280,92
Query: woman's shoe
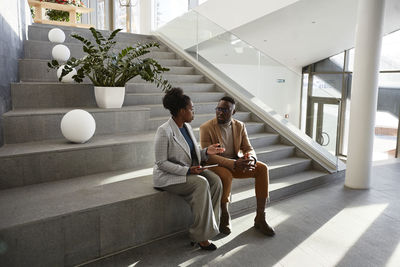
x,y
210,247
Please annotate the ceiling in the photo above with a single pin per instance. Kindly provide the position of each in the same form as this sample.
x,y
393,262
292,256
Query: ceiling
x,y
295,33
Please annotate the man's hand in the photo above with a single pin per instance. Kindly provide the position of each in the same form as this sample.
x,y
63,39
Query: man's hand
x,y
245,163
215,149
196,170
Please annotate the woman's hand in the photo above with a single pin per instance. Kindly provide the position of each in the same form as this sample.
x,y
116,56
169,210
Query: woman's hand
x,y
215,149
196,170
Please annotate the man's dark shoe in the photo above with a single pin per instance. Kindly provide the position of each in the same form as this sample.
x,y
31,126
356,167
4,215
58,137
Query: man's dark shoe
x,y
262,225
224,224
210,247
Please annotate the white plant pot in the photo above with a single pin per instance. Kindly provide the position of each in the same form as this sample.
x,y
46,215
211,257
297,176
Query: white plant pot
x,y
109,97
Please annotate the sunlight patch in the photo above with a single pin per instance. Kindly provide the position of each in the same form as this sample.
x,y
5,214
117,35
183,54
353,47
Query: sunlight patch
x,y
127,176
395,258
336,237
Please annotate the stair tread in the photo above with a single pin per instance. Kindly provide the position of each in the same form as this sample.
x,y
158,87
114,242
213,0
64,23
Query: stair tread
x,y
186,75
48,60
204,114
273,147
263,134
188,93
247,191
286,162
75,29
46,111
161,105
196,129
73,43
41,42
41,201
130,83
85,83
18,149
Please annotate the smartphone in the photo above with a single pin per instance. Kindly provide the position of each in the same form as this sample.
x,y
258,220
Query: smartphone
x,y
209,166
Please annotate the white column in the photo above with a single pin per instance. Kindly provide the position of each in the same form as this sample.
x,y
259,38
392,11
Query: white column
x,y
364,93
145,16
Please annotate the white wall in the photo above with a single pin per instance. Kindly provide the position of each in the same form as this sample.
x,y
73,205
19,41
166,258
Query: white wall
x,y
14,20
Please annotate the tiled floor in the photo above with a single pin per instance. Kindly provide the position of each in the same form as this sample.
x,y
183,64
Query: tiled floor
x,y
329,226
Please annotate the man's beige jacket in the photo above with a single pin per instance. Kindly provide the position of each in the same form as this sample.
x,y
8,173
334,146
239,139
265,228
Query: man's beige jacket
x,y
210,133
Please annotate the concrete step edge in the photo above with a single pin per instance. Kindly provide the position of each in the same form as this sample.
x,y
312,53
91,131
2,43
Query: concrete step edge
x,y
62,192
52,111
279,188
290,161
203,115
61,145
272,148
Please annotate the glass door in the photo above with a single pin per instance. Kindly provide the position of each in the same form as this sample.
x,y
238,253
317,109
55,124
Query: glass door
x,y
324,122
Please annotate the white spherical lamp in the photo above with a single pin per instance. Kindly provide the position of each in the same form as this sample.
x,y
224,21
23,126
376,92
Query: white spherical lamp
x,y
56,35
60,52
67,78
78,126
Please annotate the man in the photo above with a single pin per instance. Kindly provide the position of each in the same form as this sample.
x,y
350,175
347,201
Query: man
x,y
232,135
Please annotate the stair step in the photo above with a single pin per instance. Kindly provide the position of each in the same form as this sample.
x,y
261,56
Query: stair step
x,y
199,119
40,33
158,110
59,95
263,139
186,87
51,160
29,125
274,152
243,197
36,70
251,127
43,50
171,62
86,217
52,95
156,98
287,166
177,78
278,169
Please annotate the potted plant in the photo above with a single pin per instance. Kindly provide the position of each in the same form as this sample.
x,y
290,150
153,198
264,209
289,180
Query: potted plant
x,y
58,15
109,70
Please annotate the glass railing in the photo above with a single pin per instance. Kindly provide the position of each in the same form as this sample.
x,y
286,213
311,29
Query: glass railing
x,y
263,77
264,82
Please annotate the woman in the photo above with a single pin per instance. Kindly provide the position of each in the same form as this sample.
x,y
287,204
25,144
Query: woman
x,y
178,171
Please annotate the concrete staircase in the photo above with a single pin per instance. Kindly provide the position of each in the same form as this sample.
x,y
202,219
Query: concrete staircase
x,y
63,204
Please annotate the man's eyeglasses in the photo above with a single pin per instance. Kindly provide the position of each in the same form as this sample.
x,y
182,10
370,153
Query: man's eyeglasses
x,y
224,110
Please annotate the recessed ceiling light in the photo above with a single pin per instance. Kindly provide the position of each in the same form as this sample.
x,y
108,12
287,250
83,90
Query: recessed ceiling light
x,y
313,22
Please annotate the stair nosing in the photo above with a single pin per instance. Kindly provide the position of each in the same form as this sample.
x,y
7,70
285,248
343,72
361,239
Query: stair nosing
x,y
61,145
21,112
